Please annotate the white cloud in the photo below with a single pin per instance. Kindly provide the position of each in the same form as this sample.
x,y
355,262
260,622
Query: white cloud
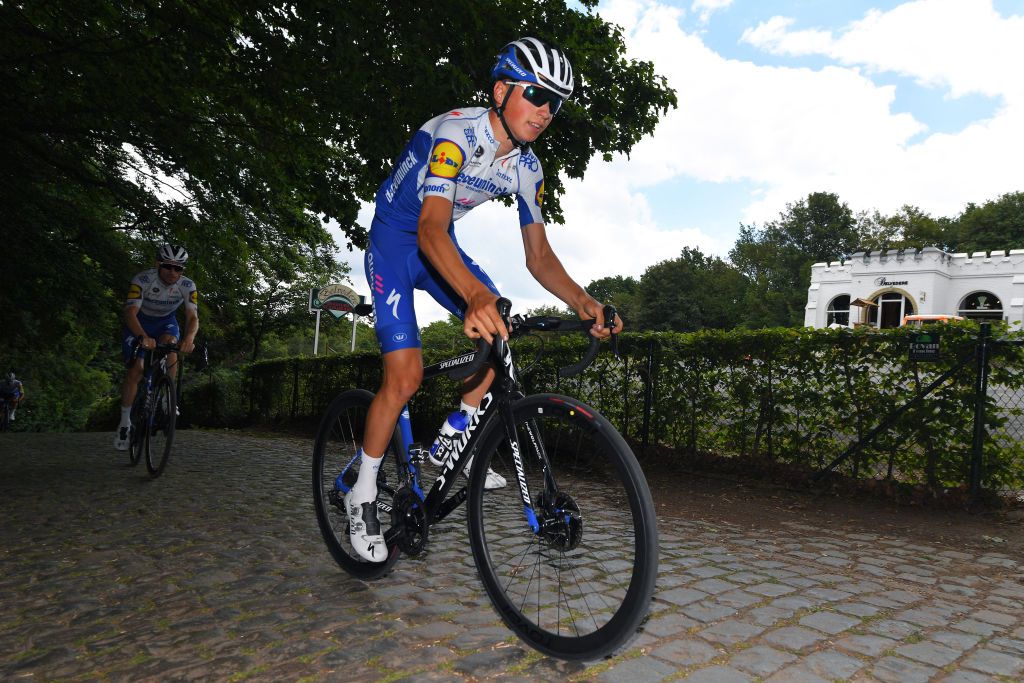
x,y
705,8
791,131
962,45
785,131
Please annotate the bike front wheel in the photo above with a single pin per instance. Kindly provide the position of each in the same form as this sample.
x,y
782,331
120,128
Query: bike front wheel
x,y
159,426
335,461
574,573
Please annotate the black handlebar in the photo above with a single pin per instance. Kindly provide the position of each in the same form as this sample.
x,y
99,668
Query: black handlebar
x,y
200,352
483,349
595,345
468,364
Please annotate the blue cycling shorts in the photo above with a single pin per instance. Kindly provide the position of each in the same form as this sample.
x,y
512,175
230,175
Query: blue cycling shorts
x,y
394,268
154,327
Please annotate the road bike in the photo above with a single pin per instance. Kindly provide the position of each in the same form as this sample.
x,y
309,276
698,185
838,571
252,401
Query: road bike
x,y
567,551
155,410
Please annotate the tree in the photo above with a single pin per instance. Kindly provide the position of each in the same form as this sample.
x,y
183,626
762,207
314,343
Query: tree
x,y
908,228
777,258
619,291
239,129
689,293
994,226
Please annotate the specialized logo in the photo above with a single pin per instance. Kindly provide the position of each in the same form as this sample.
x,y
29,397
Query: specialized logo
x,y
515,67
134,291
193,297
530,161
539,197
463,438
446,159
393,299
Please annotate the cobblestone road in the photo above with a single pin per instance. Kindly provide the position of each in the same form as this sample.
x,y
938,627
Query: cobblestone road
x,y
216,572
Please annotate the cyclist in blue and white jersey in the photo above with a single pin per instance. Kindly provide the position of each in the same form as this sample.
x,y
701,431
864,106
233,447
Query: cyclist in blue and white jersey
x,y
11,389
149,313
455,162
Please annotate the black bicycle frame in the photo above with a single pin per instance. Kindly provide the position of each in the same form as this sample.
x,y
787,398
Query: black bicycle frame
x,y
496,404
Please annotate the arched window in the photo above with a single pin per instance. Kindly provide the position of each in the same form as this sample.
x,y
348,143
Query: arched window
x,y
892,306
981,306
839,311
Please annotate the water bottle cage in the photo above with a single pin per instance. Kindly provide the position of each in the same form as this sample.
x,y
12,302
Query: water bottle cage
x,y
417,454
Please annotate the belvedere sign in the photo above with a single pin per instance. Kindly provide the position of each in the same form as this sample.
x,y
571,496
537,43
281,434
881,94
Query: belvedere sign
x,y
338,300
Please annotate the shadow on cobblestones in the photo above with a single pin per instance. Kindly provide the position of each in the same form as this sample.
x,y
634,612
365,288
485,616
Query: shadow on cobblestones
x,y
216,571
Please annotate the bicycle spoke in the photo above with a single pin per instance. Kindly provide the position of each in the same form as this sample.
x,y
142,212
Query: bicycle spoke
x,y
586,576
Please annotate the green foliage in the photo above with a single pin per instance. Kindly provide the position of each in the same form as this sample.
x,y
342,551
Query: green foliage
x,y
62,386
689,293
778,257
795,397
994,226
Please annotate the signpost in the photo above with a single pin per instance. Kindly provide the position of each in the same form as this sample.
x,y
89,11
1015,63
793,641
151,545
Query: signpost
x,y
338,300
924,346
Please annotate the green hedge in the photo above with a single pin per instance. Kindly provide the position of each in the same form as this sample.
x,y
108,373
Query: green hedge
x,y
794,397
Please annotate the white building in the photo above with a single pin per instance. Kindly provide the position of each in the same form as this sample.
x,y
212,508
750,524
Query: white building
x,y
885,286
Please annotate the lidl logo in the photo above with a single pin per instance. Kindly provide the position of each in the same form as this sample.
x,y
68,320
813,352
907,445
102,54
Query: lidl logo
x,y
134,292
193,297
446,159
540,193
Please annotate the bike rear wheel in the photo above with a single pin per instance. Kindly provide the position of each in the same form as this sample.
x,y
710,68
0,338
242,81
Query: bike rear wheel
x,y
338,441
159,425
578,587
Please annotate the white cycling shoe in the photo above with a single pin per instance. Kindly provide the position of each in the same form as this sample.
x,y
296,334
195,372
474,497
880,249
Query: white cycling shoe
x,y
364,530
494,480
122,438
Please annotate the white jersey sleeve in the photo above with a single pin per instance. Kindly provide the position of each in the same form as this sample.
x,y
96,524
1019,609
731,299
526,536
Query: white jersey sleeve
x,y
530,195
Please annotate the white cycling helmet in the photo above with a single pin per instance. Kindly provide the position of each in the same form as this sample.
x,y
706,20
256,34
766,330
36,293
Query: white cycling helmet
x,y
172,253
531,60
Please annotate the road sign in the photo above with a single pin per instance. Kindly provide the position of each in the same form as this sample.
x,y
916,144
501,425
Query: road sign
x,y
338,300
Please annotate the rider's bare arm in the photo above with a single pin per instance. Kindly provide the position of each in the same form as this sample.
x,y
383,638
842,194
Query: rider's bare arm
x,y
482,317
191,328
131,321
547,269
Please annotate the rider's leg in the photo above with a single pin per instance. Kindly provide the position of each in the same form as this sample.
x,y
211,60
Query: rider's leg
x,y
403,372
128,390
172,357
474,388
473,392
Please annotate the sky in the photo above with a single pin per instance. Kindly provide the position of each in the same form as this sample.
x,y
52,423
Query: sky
x,y
884,103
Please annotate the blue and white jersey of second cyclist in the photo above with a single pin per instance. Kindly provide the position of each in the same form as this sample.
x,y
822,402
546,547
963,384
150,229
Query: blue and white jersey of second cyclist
x,y
453,156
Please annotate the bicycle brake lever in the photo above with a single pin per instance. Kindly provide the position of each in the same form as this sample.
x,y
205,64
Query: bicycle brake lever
x,y
609,323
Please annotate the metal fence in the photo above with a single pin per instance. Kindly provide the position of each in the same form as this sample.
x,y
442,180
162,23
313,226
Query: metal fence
x,y
794,398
